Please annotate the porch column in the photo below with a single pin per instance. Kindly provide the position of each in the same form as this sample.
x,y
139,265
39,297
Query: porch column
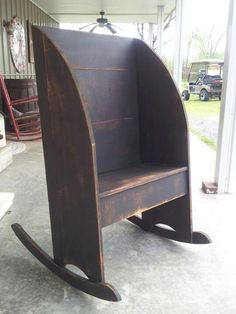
x,y
151,32
160,22
225,172
178,54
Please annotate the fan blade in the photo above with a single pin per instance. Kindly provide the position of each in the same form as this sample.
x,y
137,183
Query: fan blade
x,y
86,26
91,30
111,29
113,25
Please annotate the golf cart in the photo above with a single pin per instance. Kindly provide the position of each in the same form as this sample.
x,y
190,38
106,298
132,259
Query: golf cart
x,y
205,79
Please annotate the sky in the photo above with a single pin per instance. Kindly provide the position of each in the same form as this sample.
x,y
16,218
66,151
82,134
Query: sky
x,y
200,16
205,13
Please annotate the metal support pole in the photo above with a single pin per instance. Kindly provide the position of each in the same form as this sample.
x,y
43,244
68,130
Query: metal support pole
x,y
178,55
225,172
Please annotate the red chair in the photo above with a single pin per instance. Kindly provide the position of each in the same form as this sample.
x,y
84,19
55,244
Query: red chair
x,y
25,125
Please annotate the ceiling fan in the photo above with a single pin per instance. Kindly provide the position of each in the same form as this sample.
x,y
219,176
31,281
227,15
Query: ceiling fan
x,y
101,22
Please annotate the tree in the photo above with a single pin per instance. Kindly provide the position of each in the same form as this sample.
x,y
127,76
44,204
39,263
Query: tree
x,y
207,44
145,30
140,29
190,39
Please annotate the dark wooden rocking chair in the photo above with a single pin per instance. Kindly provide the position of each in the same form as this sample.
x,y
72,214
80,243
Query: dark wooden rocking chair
x,y
112,115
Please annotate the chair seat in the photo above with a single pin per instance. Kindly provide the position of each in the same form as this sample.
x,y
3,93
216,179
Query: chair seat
x,y
120,180
143,186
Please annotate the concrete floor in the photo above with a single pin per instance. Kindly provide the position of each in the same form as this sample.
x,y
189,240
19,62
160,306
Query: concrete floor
x,y
152,274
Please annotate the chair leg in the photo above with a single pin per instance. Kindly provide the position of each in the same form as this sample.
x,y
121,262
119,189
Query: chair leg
x,y
176,216
100,290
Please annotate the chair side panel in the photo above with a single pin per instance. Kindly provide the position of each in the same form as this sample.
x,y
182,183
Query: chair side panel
x,y
163,125
69,161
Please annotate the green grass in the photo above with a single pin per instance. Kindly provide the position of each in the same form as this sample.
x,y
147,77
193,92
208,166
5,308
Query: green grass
x,y
202,109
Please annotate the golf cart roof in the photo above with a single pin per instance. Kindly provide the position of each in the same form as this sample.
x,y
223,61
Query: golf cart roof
x,y
209,61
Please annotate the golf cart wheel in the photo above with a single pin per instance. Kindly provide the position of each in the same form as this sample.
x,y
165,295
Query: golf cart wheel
x,y
185,94
204,95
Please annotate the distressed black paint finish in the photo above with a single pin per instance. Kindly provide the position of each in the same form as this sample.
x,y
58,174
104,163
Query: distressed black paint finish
x,y
115,144
130,190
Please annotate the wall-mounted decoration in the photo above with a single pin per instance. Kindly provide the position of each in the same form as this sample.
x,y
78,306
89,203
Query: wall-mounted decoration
x,y
16,37
30,42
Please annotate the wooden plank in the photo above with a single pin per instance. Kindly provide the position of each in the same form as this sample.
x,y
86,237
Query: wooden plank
x,y
128,178
74,67
163,127
69,152
141,198
110,95
175,214
94,50
117,144
112,102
